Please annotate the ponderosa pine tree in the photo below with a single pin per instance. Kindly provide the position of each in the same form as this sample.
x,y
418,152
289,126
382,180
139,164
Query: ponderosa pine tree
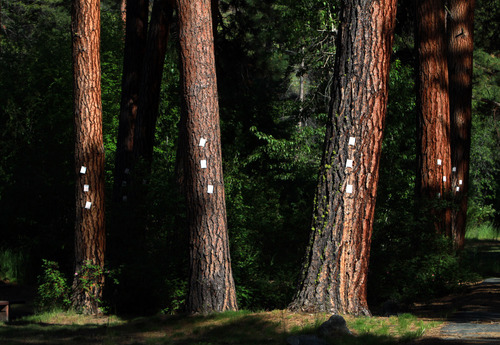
x,y
211,284
335,271
1,27
460,47
433,182
149,94
135,48
89,156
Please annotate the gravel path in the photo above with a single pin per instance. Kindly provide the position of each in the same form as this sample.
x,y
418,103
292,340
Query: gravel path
x,y
475,319
478,319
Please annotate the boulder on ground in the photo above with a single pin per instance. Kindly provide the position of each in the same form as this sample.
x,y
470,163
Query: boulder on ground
x,y
334,326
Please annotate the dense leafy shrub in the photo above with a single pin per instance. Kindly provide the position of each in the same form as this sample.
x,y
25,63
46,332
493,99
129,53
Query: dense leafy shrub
x,y
53,289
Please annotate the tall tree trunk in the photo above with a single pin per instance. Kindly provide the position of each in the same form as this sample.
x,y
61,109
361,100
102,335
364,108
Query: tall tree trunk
x,y
335,271
211,285
152,73
460,48
123,11
89,154
1,27
433,119
135,47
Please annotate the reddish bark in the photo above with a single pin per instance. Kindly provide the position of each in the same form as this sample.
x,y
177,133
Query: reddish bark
x,y
123,11
334,278
460,48
433,137
211,285
89,151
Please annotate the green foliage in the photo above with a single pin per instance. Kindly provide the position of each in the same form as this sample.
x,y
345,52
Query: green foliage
x,y
13,264
269,196
271,140
272,137
36,168
90,280
111,72
394,238
53,289
426,266
486,23
177,291
89,276
483,231
484,197
409,260
241,327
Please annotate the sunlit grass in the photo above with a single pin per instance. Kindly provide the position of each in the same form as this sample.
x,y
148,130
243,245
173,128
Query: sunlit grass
x,y
483,231
58,317
483,249
242,327
404,326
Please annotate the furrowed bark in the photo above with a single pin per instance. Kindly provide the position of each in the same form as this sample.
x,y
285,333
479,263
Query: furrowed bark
x,y
433,182
211,285
335,271
460,48
89,153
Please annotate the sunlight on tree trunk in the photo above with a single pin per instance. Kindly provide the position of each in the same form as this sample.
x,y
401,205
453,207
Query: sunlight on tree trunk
x,y
433,135
334,277
460,48
211,285
89,154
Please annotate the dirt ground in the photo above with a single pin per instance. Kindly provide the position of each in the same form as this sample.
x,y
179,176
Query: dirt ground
x,y
472,317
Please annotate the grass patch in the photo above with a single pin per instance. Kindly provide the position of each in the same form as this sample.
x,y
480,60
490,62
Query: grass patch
x,y
482,249
241,327
59,317
483,231
403,327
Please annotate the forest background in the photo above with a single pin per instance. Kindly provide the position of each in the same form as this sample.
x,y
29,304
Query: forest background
x,y
274,68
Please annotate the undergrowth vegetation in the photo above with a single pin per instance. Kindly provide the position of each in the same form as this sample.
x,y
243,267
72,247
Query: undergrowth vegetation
x,y
242,327
272,137
483,231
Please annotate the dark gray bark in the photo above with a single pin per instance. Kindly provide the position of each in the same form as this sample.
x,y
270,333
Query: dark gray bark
x,y
135,48
149,95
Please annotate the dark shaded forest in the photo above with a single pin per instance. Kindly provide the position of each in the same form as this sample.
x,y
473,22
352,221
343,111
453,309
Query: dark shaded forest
x,y
274,63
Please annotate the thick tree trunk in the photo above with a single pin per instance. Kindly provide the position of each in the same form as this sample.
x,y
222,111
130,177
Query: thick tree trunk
x,y
211,285
460,48
89,153
335,271
433,119
152,73
135,47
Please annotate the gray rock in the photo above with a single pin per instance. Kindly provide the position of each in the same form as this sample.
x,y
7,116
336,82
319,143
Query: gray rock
x,y
334,326
305,340
390,308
